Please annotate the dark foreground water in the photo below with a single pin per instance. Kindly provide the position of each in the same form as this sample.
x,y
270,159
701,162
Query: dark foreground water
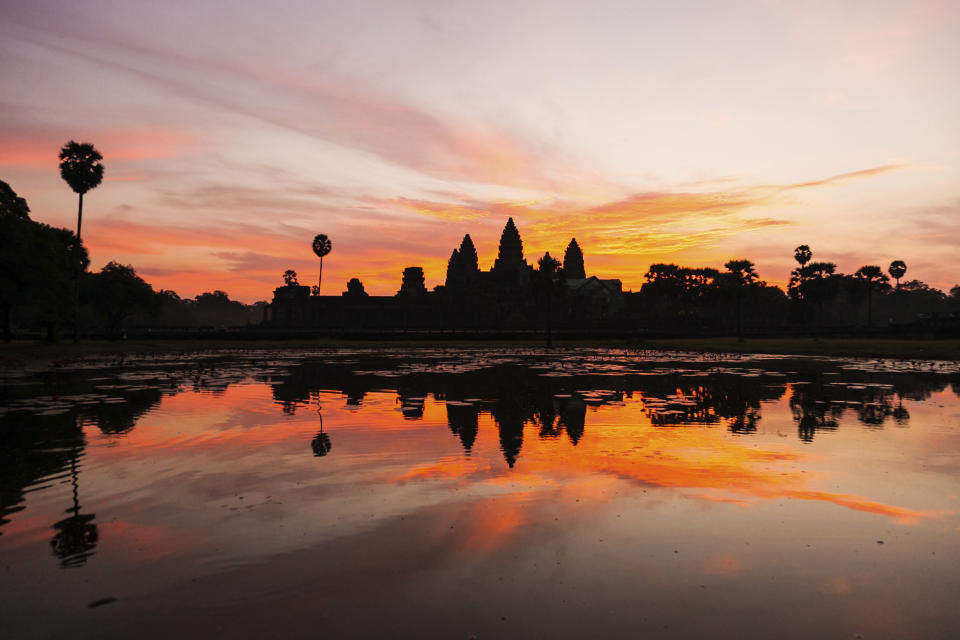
x,y
496,494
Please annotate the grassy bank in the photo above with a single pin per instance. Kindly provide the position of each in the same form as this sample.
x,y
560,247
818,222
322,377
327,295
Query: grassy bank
x,y
33,353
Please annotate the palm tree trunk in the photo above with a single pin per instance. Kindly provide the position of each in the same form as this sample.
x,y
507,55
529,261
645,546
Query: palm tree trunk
x,y
76,276
320,278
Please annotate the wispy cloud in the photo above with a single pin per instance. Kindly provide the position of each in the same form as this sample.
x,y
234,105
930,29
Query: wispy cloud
x,y
327,107
39,149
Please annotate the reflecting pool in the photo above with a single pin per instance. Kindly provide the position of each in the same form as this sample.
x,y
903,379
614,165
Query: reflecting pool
x,y
512,493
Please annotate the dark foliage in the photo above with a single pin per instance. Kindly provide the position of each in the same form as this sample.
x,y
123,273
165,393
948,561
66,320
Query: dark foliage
x,y
115,293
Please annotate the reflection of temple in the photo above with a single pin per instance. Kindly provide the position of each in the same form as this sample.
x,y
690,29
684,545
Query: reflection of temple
x,y
522,403
512,294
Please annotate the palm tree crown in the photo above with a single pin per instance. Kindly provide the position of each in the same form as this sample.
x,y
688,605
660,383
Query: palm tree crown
x,y
80,166
322,245
897,270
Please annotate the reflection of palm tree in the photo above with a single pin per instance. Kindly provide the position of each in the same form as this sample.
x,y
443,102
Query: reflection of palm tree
x,y
321,442
80,167
900,415
321,246
77,535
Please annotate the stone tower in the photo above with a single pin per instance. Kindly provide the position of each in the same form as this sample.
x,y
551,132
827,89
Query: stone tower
x,y
573,261
510,255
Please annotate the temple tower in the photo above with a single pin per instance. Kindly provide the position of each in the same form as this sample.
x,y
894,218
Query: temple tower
x,y
510,255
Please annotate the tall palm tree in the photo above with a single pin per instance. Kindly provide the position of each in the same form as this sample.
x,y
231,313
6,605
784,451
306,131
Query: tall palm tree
x,y
897,270
321,246
80,167
802,254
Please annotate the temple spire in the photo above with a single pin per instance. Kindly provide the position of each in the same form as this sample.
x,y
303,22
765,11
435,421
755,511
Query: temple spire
x,y
510,254
468,256
573,261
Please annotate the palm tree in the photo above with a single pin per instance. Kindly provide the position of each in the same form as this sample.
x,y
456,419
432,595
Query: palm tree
x,y
897,269
321,246
871,275
802,254
80,168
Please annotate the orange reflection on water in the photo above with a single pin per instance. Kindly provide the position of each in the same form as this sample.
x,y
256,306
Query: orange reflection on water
x,y
622,442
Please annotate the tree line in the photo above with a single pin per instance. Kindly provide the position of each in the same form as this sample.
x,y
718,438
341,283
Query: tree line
x,y
43,268
45,286
818,296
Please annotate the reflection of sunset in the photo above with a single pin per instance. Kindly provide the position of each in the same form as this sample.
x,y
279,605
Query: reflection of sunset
x,y
623,443
481,485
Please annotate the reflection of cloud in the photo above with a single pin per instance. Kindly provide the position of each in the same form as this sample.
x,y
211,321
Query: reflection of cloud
x,y
837,586
724,564
682,459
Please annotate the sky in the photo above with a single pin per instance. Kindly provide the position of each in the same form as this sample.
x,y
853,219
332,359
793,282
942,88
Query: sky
x,y
687,132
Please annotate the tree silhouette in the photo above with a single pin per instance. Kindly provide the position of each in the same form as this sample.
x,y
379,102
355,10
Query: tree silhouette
x,y
290,278
897,270
872,276
743,274
819,284
546,276
116,292
38,265
802,254
12,205
321,246
80,167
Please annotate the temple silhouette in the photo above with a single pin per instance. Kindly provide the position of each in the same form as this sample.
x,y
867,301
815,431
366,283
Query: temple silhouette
x,y
513,294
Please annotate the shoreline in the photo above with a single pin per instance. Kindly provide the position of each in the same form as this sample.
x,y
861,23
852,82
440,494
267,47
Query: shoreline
x,y
23,353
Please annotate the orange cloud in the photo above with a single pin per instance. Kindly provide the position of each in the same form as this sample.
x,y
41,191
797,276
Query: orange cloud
x,y
380,237
126,144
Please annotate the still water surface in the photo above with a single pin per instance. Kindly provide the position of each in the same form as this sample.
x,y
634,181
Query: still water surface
x,y
488,493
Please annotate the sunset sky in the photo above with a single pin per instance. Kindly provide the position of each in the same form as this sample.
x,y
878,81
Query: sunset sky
x,y
688,132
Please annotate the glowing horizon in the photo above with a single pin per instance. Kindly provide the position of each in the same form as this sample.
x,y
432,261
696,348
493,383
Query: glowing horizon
x,y
691,134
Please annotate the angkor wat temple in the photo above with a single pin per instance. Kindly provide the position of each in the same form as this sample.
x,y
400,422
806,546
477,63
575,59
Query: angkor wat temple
x,y
512,295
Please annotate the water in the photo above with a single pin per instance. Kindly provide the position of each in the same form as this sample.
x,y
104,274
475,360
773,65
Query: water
x,y
488,493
